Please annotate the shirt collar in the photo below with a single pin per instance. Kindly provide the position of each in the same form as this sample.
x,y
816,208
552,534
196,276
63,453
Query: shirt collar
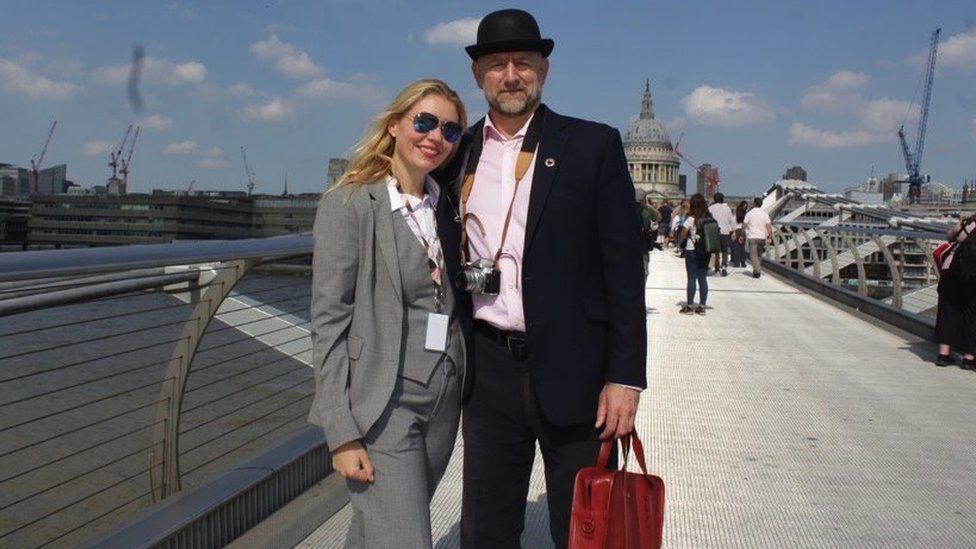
x,y
493,131
431,193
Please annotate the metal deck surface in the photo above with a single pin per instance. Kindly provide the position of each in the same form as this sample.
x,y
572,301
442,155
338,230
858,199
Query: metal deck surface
x,y
778,420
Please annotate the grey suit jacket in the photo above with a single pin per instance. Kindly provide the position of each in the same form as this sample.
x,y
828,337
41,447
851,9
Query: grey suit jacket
x,y
356,313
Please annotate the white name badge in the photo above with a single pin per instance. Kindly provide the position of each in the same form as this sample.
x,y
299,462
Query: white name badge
x,y
436,332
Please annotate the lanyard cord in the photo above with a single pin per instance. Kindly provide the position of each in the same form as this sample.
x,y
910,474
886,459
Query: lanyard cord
x,y
529,146
434,258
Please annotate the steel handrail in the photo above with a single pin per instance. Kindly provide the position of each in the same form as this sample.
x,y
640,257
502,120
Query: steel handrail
x,y
83,261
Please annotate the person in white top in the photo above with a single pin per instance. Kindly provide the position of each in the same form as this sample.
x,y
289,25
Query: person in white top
x,y
726,223
696,267
759,232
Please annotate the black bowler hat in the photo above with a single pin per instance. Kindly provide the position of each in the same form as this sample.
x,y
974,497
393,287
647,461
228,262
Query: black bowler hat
x,y
509,30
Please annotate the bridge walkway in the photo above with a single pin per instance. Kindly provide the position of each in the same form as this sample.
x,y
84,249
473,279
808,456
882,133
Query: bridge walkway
x,y
780,420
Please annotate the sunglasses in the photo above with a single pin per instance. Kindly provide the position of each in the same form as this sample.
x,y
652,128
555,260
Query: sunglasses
x,y
425,122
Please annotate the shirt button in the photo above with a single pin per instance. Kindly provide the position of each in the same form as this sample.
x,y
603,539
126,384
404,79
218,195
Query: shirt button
x,y
511,285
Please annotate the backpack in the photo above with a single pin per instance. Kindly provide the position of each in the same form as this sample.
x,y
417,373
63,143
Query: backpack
x,y
709,237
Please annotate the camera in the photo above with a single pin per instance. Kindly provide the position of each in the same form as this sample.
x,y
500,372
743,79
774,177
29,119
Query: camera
x,y
480,277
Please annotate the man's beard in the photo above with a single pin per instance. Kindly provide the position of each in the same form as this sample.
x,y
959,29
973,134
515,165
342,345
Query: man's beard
x,y
515,105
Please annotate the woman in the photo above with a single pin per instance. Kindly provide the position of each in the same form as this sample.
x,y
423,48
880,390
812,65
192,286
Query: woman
x,y
696,267
387,348
677,220
955,322
739,236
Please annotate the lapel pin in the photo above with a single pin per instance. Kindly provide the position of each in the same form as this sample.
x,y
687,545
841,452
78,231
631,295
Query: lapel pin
x,y
550,162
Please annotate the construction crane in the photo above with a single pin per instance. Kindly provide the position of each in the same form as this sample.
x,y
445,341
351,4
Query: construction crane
x,y
35,166
711,176
913,159
115,157
248,173
126,162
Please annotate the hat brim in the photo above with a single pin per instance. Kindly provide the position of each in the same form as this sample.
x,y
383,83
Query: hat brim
x,y
543,46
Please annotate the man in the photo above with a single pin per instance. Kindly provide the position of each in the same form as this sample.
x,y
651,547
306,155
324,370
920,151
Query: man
x,y
759,231
665,210
560,348
726,224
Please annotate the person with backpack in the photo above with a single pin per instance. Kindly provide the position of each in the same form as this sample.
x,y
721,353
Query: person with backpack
x,y
649,225
700,233
955,323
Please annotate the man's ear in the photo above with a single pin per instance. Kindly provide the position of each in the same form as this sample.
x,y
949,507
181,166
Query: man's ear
x,y
544,71
476,73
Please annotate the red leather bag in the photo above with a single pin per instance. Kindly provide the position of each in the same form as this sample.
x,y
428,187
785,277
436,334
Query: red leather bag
x,y
616,509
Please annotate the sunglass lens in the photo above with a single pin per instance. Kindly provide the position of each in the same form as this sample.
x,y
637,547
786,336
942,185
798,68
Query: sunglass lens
x,y
424,122
452,131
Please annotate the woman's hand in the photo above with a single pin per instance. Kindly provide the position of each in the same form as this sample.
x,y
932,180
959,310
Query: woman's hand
x,y
352,462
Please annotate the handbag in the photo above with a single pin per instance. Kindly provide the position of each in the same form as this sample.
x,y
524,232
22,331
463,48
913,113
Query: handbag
x,y
617,509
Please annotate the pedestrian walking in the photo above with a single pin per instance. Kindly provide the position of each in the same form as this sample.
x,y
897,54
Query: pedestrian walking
x,y
723,215
738,236
759,232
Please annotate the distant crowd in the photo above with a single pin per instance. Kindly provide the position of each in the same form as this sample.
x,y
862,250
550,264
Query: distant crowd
x,y
705,236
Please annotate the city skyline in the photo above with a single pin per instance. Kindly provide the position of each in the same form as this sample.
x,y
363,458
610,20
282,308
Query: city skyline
x,y
754,88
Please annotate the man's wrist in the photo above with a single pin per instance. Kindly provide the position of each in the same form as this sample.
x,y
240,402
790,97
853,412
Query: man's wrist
x,y
631,387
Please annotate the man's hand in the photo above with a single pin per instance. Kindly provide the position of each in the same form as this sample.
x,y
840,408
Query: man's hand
x,y
352,462
616,411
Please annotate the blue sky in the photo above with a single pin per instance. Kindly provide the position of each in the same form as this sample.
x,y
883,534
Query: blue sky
x,y
754,87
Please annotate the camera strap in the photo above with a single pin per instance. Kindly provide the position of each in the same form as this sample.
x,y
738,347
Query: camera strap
x,y
525,156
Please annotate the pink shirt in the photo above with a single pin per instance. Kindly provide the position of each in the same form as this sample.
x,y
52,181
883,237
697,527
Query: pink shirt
x,y
494,183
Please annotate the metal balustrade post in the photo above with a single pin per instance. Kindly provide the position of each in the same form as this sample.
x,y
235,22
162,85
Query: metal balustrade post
x,y
862,277
801,263
896,278
832,254
166,434
814,255
777,241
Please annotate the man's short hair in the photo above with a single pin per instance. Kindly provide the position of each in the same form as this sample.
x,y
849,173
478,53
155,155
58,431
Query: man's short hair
x,y
757,202
719,198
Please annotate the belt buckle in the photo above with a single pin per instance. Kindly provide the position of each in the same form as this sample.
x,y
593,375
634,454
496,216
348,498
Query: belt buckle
x,y
517,346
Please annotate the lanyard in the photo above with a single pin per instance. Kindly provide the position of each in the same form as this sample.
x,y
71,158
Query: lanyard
x,y
435,257
525,156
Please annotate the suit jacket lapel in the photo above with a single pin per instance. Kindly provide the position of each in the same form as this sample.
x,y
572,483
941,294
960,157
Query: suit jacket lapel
x,y
384,234
551,146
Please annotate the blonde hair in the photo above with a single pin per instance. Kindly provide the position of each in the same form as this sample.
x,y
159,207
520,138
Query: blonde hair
x,y
372,159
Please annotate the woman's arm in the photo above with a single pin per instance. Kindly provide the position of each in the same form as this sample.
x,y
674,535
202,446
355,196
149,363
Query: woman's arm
x,y
335,266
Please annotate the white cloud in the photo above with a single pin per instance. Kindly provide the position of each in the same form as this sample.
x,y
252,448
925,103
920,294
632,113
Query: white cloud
x,y
288,60
182,148
242,89
15,78
97,148
156,122
803,135
362,92
887,115
837,94
959,51
155,70
460,32
710,106
275,110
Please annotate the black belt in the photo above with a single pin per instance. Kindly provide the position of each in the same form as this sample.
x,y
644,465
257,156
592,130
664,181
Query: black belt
x,y
515,342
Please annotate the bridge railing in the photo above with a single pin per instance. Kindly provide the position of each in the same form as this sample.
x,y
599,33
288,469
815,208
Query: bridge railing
x,y
894,268
131,374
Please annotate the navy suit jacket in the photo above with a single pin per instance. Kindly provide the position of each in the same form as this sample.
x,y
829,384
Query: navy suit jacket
x,y
582,278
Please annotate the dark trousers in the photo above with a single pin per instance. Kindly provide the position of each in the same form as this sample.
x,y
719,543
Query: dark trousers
x,y
725,246
697,271
501,423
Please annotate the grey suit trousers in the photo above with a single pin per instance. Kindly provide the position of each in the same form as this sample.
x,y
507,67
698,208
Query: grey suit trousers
x,y
409,447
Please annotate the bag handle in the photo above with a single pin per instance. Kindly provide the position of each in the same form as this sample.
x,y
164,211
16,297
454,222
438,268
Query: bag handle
x,y
626,442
